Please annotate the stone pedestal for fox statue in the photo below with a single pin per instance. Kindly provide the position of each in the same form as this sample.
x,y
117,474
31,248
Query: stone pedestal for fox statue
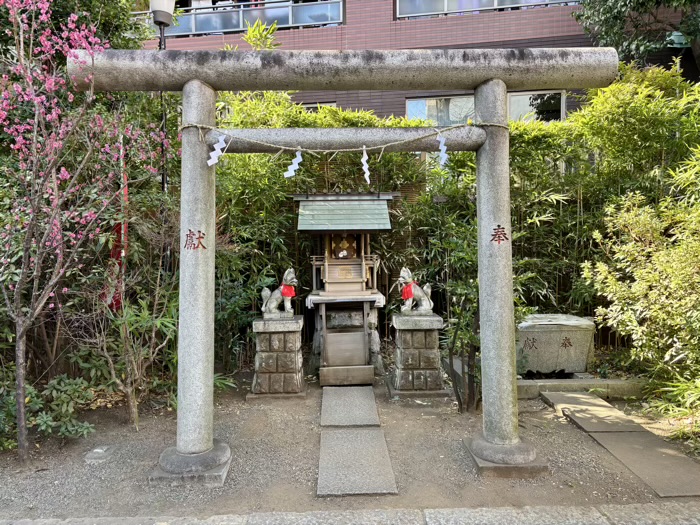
x,y
418,368
278,357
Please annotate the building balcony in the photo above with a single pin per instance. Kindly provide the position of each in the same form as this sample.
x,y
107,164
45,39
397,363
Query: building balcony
x,y
430,8
235,16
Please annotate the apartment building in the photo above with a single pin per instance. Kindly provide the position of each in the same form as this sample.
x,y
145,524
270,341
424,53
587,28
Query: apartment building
x,y
393,24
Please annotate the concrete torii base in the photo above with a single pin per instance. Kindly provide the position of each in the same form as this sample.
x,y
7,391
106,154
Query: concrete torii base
x,y
532,469
192,468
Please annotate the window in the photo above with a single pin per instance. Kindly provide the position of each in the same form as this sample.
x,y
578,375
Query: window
x,y
451,111
442,111
429,8
537,106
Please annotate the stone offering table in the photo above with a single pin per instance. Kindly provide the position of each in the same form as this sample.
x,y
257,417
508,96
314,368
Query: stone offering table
x,y
278,359
418,367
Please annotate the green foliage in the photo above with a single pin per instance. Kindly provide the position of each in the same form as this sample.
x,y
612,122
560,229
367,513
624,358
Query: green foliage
x,y
647,271
637,28
651,281
679,400
261,36
257,235
51,409
627,164
113,20
652,113
631,136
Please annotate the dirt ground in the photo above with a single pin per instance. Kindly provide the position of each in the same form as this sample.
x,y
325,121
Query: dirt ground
x,y
275,446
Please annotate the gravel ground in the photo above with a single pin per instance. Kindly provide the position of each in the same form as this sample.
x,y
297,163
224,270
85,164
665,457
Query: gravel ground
x,y
275,447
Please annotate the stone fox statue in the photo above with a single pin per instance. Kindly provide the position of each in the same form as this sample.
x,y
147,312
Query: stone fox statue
x,y
411,292
272,300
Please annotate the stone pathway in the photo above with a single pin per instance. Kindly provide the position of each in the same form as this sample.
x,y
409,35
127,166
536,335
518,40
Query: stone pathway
x,y
666,470
354,458
638,514
348,406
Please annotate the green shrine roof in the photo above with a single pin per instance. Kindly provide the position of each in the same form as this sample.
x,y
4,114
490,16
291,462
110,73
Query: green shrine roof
x,y
363,212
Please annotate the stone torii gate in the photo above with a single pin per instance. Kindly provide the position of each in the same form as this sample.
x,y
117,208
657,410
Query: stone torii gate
x,y
199,74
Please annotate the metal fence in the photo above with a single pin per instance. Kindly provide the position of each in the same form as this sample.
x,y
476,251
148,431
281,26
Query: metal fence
x,y
416,8
231,17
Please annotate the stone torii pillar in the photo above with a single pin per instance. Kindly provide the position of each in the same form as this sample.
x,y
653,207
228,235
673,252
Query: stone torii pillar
x,y
196,456
198,74
499,443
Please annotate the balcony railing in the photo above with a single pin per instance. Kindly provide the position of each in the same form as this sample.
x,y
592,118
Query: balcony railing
x,y
420,8
231,17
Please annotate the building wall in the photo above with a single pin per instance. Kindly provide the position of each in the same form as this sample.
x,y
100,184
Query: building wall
x,y
371,24
386,103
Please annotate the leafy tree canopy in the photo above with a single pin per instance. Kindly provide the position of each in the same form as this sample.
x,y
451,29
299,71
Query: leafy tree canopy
x,y
639,27
112,20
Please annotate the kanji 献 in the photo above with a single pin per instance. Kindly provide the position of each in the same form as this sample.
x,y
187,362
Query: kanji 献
x,y
529,344
193,241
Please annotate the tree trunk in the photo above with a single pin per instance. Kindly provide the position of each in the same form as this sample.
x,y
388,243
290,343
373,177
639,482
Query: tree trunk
x,y
130,380
133,403
21,392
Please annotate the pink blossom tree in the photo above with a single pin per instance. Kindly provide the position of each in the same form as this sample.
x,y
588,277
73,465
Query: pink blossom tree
x,y
62,171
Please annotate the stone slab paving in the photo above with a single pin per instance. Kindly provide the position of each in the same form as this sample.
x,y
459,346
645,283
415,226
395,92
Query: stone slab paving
x,y
669,472
590,413
666,470
636,514
357,517
521,516
349,406
354,461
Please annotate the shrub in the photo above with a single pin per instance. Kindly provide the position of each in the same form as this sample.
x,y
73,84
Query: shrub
x,y
51,409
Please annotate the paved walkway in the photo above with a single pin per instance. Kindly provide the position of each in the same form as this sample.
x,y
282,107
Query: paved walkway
x,y
639,514
354,458
666,470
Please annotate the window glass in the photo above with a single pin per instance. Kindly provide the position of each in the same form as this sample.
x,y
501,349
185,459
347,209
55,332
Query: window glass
x,y
442,111
535,106
418,7
456,5
451,111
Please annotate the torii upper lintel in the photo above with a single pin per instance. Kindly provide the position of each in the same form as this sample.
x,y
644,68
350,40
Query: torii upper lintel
x,y
424,69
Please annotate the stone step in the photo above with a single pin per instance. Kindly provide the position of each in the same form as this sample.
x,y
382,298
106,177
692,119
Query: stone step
x,y
532,388
590,413
353,462
349,406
